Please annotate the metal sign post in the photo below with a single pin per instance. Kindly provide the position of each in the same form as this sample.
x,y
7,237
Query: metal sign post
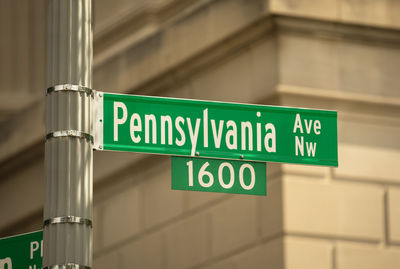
x,y
67,231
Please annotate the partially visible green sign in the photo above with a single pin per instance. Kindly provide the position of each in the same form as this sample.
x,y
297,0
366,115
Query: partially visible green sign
x,y
213,175
186,127
23,251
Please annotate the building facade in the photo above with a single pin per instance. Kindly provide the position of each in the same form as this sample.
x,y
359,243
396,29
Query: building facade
x,y
340,55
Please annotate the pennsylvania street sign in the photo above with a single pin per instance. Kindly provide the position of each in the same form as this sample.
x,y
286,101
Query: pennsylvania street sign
x,y
214,129
210,175
22,251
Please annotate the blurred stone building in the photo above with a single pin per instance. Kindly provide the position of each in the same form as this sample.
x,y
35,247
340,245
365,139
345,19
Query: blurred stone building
x,y
328,54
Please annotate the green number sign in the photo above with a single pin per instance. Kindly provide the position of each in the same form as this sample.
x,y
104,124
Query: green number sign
x,y
210,175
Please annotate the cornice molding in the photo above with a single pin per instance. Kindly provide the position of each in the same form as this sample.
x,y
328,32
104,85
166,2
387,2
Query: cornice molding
x,y
137,25
335,30
346,103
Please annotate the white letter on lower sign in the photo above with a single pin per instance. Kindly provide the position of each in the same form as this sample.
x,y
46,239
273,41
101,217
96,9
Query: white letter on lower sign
x,y
34,247
5,261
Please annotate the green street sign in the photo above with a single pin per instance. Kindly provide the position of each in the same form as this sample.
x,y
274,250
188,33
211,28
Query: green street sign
x,y
212,175
22,251
214,129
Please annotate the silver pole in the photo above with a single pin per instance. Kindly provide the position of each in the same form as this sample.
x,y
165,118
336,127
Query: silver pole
x,y
68,151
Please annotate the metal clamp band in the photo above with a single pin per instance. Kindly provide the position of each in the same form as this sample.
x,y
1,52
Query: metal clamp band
x,y
70,87
70,133
68,219
67,266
